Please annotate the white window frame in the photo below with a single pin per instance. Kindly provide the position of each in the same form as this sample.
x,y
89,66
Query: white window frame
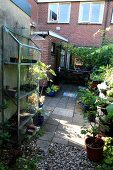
x,y
58,12
90,11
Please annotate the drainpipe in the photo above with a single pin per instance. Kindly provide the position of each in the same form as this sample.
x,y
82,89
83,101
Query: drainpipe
x,y
105,23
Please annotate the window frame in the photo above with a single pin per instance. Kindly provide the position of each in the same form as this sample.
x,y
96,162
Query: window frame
x,y
112,17
90,12
58,13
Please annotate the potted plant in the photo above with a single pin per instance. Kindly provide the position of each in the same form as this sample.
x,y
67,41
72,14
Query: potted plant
x,y
39,117
51,90
88,100
94,143
107,120
102,103
96,77
41,73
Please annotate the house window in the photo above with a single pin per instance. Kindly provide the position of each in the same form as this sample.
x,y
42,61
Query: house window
x,y
59,12
112,17
53,48
91,12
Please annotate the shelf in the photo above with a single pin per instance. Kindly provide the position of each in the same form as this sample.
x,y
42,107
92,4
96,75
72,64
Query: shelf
x,y
26,94
11,63
24,121
22,95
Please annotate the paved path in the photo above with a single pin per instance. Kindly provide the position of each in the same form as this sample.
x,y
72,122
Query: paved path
x,y
64,124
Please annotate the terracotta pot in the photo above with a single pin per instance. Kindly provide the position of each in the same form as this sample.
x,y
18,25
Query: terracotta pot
x,y
94,154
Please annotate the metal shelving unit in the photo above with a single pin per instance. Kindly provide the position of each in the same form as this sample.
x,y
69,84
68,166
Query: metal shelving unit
x,y
18,64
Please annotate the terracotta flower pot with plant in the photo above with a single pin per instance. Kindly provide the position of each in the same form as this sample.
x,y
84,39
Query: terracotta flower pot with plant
x,y
94,143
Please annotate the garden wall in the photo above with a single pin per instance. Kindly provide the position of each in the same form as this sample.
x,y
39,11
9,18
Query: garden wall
x,y
13,17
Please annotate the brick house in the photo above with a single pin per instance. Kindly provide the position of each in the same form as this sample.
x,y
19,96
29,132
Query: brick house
x,y
81,22
75,19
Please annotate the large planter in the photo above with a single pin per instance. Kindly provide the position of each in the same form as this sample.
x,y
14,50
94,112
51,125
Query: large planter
x,y
94,152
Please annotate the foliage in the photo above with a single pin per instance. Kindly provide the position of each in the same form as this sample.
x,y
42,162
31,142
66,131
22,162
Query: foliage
x,y
109,75
4,137
4,105
110,92
91,57
25,164
109,109
40,111
103,55
98,74
88,98
41,71
52,88
3,167
41,132
107,162
93,130
102,102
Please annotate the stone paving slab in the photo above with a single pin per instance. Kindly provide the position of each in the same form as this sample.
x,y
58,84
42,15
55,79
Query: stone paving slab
x,y
64,124
62,134
63,112
48,136
44,145
53,121
69,107
60,140
48,108
78,120
49,128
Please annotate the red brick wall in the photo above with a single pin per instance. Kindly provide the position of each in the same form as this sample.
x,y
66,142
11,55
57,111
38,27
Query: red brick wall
x,y
46,56
45,45
78,34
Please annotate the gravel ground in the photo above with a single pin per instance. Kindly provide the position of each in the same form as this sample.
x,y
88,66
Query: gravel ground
x,y
62,157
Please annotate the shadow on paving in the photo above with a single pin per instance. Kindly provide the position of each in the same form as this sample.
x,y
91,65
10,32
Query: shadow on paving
x,y
64,124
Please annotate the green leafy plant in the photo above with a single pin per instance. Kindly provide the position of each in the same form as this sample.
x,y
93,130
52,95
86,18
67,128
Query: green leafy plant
x,y
4,137
107,161
110,92
25,164
98,74
88,98
109,109
3,167
109,75
40,112
41,71
52,88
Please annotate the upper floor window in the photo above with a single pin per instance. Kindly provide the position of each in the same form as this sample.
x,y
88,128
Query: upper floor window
x,y
59,12
91,12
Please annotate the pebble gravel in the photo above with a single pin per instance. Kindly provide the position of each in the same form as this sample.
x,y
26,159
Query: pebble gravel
x,y
62,157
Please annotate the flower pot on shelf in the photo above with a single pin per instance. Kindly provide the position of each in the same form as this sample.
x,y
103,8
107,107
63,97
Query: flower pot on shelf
x,y
38,120
94,148
13,60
